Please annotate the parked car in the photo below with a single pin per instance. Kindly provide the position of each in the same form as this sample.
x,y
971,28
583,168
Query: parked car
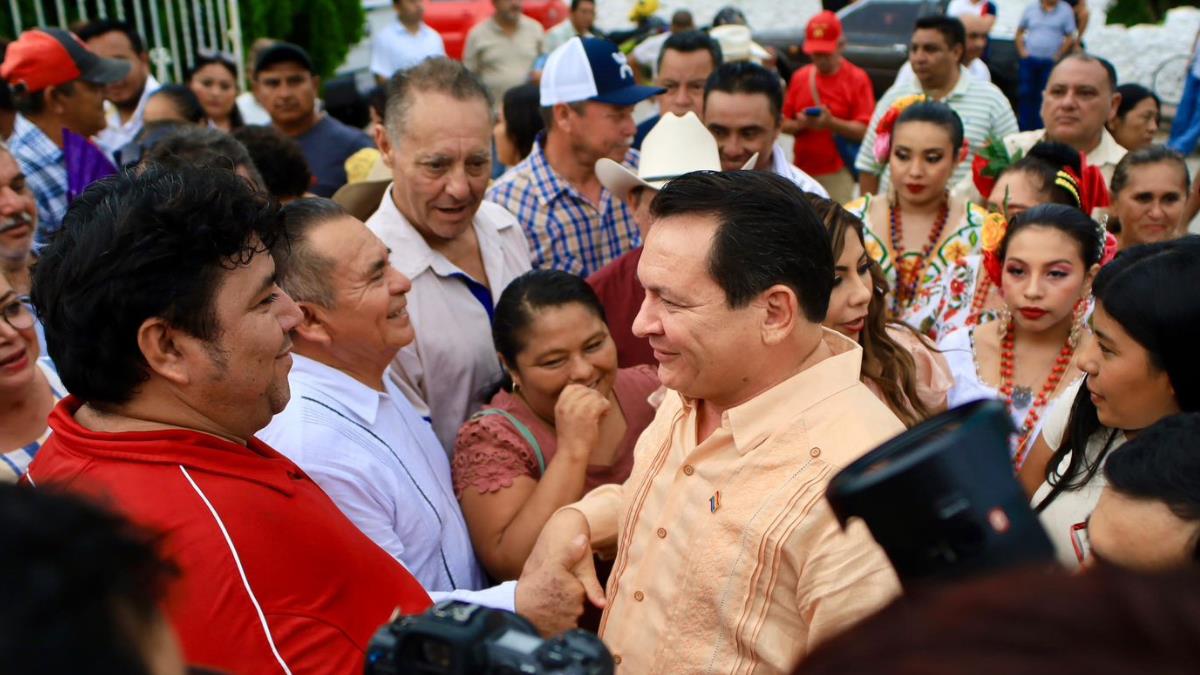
x,y
453,19
877,37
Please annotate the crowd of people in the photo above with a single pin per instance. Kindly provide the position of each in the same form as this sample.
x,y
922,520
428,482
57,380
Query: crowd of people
x,y
267,378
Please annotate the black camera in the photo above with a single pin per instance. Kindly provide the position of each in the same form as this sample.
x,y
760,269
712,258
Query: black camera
x,y
460,637
941,498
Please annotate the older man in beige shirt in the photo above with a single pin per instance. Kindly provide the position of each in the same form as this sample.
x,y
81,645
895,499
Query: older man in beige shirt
x,y
501,50
728,557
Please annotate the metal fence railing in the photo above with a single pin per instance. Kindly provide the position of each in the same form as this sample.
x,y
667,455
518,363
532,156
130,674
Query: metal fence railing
x,y
175,31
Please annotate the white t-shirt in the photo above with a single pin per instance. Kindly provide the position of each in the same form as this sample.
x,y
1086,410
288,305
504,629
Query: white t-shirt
x,y
958,8
394,48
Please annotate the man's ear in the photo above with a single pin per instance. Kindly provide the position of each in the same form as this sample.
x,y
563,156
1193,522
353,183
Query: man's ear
x,y
314,324
1116,103
782,314
168,351
561,116
384,143
316,79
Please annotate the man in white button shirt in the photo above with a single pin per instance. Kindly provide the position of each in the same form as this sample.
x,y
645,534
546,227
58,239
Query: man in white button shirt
x,y
347,426
126,98
459,250
404,43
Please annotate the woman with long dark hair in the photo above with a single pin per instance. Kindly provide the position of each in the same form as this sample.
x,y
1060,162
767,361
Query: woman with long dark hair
x,y
213,78
918,229
564,421
1043,263
901,368
1140,367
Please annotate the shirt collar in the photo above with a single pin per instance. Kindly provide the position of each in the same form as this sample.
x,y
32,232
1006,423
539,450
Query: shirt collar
x,y
754,421
411,254
338,387
135,120
962,87
1108,152
548,185
35,139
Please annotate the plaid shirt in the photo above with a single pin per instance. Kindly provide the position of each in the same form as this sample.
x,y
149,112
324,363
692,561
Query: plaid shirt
x,y
565,230
45,169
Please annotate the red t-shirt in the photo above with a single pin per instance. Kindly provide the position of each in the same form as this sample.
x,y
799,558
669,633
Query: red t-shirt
x,y
272,572
622,295
848,96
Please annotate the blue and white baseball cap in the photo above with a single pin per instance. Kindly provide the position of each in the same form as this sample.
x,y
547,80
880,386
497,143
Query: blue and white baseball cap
x,y
591,69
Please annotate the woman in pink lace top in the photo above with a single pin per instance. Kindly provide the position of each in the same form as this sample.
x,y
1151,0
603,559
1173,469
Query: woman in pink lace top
x,y
565,420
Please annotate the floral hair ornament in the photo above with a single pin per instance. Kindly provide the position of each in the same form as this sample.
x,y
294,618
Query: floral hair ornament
x,y
1108,243
883,130
991,236
989,163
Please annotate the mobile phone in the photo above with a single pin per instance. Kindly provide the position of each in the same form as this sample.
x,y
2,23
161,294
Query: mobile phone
x,y
812,112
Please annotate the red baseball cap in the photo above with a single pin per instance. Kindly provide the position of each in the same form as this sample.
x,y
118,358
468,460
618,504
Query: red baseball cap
x,y
47,57
822,35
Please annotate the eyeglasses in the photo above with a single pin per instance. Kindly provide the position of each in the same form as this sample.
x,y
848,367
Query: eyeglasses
x,y
17,314
1081,542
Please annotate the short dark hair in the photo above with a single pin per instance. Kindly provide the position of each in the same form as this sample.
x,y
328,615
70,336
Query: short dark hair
x,y
197,146
576,3
185,102
522,116
1161,464
1131,95
1066,219
950,27
136,246
303,272
1151,154
440,75
745,77
1109,69
767,234
33,103
98,27
279,160
525,296
81,585
936,113
692,41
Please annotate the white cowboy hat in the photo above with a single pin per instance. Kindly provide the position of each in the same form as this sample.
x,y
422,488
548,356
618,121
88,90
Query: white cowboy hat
x,y
736,44
675,146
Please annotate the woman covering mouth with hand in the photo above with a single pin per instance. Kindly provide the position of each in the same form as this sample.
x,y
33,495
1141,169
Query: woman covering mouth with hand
x,y
1043,263
565,420
899,366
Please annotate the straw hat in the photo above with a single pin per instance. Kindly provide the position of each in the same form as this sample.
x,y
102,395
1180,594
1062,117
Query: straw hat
x,y
736,44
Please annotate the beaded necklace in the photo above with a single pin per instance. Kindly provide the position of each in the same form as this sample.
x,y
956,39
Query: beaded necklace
x,y
982,288
1007,389
906,282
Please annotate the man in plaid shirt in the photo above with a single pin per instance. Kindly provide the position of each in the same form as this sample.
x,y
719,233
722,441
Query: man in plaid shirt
x,y
571,221
57,84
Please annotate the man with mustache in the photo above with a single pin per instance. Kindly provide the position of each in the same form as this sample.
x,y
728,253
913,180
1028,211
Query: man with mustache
x,y
459,250
286,83
18,218
573,223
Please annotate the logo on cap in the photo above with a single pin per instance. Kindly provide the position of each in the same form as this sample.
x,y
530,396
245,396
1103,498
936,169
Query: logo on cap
x,y
626,71
818,32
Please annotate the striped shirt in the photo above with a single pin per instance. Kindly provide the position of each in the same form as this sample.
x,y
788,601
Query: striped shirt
x,y
984,110
565,230
45,169
14,462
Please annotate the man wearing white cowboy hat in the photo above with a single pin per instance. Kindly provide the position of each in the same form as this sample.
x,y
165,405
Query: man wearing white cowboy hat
x,y
678,144
737,45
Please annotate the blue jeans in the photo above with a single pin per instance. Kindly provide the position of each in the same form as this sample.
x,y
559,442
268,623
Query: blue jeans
x,y
1185,130
1032,75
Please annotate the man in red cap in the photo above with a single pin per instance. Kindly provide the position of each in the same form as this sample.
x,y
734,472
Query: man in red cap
x,y
57,84
827,108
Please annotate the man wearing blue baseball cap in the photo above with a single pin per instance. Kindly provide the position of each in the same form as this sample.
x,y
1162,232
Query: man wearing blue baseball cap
x,y
572,222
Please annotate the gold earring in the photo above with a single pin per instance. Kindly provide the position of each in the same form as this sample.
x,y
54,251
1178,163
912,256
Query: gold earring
x,y
1004,316
1077,323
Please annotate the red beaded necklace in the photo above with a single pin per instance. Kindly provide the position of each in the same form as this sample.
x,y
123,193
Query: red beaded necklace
x,y
906,284
1043,397
982,288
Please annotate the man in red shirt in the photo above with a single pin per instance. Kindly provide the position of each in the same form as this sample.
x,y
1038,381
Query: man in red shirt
x,y
161,311
829,103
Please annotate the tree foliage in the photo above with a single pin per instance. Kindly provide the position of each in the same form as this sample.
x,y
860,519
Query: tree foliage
x,y
1132,12
326,28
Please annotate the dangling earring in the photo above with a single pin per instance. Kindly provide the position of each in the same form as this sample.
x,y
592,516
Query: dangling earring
x,y
1077,323
1004,316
